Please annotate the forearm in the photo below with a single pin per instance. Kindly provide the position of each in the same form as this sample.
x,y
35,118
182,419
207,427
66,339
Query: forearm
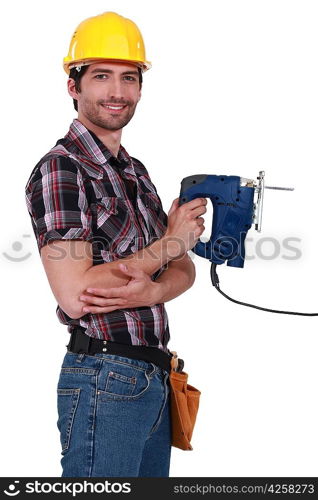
x,y
172,282
108,274
148,259
178,278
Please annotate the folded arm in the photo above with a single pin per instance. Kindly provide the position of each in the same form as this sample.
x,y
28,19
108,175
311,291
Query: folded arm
x,y
69,268
141,291
57,202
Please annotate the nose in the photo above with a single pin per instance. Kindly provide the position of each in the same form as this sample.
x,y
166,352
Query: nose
x,y
115,90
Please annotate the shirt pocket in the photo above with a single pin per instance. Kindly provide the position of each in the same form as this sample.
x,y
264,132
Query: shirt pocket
x,y
154,215
105,208
115,226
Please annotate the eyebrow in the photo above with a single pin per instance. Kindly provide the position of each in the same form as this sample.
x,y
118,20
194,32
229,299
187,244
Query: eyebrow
x,y
102,70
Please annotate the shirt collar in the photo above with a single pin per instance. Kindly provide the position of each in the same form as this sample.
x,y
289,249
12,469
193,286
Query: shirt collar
x,y
91,146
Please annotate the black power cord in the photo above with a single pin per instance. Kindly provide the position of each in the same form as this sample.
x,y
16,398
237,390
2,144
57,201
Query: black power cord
x,y
216,283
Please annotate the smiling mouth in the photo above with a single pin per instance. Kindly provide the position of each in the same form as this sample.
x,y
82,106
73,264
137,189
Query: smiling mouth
x,y
114,108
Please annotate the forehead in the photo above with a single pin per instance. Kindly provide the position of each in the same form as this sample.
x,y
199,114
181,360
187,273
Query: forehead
x,y
116,66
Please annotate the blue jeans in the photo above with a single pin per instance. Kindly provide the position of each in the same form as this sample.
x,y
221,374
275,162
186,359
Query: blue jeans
x,y
113,417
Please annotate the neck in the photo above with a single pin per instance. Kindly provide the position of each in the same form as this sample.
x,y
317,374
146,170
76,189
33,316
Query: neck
x,y
110,138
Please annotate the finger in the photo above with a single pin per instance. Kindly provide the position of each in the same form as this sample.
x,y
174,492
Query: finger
x,y
196,202
197,211
101,310
200,221
199,230
101,301
107,292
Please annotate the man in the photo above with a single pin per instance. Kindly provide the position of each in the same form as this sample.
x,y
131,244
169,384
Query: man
x,y
112,257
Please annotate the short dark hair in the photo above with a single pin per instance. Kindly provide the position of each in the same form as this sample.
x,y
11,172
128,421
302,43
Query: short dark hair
x,y
77,75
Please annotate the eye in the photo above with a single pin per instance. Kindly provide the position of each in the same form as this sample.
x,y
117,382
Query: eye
x,y
130,78
100,75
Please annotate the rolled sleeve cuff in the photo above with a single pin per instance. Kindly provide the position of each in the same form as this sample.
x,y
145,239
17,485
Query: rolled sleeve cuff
x,y
73,233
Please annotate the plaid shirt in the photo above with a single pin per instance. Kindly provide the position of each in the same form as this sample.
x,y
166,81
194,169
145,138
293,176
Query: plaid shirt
x,y
80,191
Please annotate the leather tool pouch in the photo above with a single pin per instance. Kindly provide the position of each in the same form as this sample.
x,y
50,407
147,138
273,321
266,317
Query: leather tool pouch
x,y
184,405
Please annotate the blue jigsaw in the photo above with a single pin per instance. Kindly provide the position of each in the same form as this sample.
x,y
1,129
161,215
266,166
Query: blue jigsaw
x,y
237,204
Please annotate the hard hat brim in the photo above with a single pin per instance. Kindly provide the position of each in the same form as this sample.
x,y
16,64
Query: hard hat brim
x,y
144,65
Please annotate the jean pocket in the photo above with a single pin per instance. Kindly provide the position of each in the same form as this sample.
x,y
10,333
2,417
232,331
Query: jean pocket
x,y
67,402
123,382
120,384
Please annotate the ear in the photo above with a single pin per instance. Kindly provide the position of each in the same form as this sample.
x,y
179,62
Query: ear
x,y
139,96
71,88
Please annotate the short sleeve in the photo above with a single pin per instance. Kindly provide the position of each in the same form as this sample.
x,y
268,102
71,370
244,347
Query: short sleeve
x,y
57,202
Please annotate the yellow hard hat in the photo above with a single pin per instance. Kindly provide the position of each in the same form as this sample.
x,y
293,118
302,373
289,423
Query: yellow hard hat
x,y
106,36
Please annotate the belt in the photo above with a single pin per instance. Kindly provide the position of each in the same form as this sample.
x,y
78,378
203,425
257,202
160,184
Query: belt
x,y
80,342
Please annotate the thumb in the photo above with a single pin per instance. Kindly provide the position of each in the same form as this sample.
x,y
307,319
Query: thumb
x,y
174,206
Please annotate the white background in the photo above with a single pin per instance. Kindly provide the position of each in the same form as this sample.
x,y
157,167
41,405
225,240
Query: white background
x,y
233,90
